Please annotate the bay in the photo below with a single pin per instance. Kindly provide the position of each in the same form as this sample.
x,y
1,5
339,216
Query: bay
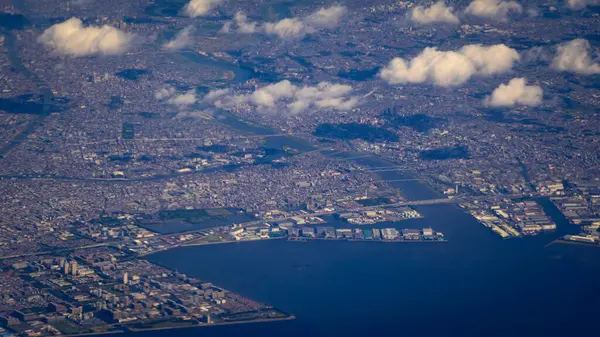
x,y
474,285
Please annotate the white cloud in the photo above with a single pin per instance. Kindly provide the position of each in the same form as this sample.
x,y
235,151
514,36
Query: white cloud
x,y
577,5
287,98
72,38
196,8
493,9
181,40
241,24
163,93
575,56
188,98
326,17
214,95
516,92
283,97
450,68
436,13
169,95
289,28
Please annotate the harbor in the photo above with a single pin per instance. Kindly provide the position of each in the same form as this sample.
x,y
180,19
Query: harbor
x,y
368,235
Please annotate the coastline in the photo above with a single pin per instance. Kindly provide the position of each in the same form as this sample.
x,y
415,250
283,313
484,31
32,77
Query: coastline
x,y
576,243
125,329
261,320
191,244
305,239
97,333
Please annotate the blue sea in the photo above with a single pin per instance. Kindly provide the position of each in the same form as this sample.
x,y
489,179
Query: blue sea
x,y
474,285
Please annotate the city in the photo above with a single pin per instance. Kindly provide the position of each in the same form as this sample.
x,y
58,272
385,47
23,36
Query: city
x,y
132,130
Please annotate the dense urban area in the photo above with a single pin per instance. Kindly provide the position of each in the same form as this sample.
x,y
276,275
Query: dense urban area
x,y
132,127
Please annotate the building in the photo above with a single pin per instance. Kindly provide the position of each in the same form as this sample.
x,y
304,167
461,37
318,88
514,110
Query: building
x,y
285,225
580,238
358,234
344,233
321,231
9,320
308,232
56,307
76,312
411,234
4,333
29,314
74,268
389,233
330,233
125,278
376,233
66,268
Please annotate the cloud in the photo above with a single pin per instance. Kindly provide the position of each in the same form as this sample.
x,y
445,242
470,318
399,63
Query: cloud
x,y
241,23
196,8
289,28
450,68
181,40
326,18
72,38
170,96
293,28
577,5
436,13
575,56
214,95
188,98
283,97
163,93
516,92
493,9
287,98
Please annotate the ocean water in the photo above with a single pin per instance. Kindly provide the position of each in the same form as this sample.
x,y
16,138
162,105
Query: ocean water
x,y
474,285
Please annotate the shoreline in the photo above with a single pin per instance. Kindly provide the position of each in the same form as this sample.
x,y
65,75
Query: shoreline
x,y
365,240
124,329
305,239
576,243
96,333
192,244
261,320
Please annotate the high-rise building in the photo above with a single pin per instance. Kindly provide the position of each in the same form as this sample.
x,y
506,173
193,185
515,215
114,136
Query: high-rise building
x,y
74,268
66,268
125,278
